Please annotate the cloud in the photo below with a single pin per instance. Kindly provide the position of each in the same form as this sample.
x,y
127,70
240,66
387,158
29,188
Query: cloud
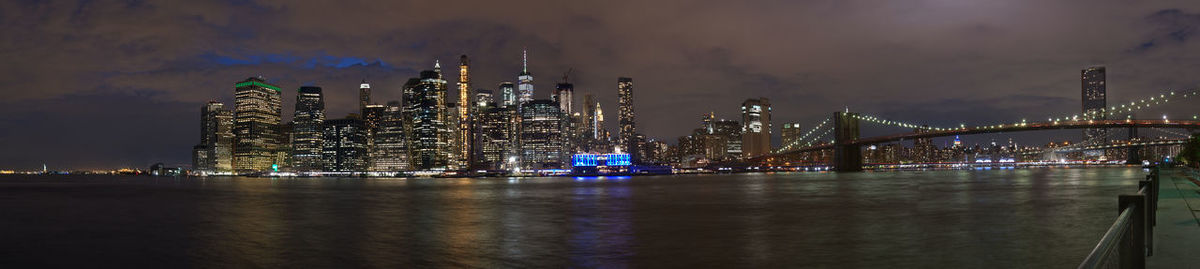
x,y
686,57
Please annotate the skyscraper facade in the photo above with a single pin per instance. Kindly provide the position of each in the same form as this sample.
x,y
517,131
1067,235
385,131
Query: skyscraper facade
x,y
483,98
454,139
507,94
564,94
590,106
756,127
1094,101
214,152
425,110
257,109
390,152
364,95
791,134
525,81
625,117
345,145
495,137
308,129
542,138
464,104
731,133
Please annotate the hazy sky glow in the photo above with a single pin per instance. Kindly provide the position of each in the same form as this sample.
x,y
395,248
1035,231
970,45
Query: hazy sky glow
x,y
102,84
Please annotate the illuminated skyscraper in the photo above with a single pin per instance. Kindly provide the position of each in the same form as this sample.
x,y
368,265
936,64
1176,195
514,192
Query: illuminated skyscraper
x,y
308,129
495,137
345,145
484,98
214,153
390,153
731,133
525,80
756,127
425,110
791,134
542,138
590,111
1094,101
464,104
507,95
564,94
364,96
625,117
257,109
453,138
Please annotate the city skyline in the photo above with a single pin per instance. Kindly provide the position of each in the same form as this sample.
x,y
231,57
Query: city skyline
x,y
677,80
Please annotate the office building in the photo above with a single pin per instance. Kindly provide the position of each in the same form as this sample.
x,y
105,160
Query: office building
x,y
756,127
256,123
308,129
390,151
1094,102
625,117
345,145
525,81
425,112
542,139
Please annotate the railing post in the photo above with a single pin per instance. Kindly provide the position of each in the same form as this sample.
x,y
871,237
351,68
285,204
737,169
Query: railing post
x,y
1148,209
1133,252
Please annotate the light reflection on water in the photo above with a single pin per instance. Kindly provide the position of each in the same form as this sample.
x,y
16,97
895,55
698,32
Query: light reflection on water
x,y
988,218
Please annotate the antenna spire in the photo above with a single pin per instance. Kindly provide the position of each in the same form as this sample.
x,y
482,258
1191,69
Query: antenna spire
x,y
524,61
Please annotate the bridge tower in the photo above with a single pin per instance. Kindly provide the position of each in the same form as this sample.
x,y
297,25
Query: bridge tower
x,y
1133,155
847,156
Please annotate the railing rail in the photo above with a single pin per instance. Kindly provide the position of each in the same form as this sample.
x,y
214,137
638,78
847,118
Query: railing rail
x,y
1130,239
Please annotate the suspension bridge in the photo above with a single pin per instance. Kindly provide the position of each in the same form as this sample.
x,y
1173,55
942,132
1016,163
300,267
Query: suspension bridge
x,y
840,133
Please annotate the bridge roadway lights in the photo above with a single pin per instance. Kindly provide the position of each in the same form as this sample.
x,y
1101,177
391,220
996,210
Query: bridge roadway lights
x,y
847,157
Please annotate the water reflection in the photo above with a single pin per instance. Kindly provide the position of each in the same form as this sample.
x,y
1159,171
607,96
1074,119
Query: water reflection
x,y
996,218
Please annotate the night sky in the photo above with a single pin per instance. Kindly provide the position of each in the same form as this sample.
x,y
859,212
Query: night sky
x,y
107,84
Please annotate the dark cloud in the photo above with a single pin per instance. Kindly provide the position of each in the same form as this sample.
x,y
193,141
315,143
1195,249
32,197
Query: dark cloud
x,y
149,64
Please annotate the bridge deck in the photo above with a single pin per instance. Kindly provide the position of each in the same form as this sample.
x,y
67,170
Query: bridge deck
x,y
1177,235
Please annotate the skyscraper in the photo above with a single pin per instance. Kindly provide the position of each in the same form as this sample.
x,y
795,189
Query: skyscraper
x,y
454,139
625,117
756,127
425,110
508,96
590,108
308,129
525,80
258,106
483,98
214,153
564,94
495,136
364,96
390,153
1094,101
791,134
731,132
542,138
345,145
464,104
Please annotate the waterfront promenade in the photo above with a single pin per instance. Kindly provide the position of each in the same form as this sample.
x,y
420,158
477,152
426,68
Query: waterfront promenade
x,y
1177,235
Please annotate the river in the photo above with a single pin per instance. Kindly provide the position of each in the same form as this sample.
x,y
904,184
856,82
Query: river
x,y
1022,218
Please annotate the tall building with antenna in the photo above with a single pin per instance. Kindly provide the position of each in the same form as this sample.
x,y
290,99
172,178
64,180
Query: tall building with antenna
x,y
525,80
364,96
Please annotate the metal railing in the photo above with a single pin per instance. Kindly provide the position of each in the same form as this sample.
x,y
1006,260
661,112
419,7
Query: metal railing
x,y
1131,237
